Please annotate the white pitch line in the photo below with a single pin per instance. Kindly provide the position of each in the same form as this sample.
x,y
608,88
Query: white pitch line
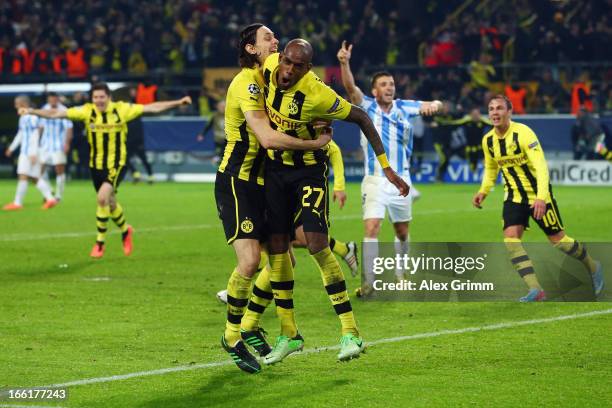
x,y
28,406
43,236
497,326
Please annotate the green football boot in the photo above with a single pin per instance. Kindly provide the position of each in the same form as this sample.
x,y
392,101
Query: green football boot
x,y
283,347
350,347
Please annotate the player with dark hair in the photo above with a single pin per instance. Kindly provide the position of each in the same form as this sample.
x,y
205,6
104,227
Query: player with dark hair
x,y
514,149
239,190
106,124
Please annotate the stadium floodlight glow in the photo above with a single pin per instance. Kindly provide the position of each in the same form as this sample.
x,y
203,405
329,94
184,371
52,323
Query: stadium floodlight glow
x,y
59,87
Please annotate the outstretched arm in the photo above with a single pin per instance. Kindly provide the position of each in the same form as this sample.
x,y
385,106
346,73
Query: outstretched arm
x,y
44,113
159,107
348,81
429,108
269,138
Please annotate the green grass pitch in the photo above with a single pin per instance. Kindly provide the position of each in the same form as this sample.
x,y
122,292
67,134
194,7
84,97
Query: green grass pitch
x,y
65,317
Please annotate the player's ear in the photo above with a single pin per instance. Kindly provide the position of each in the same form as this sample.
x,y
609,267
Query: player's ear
x,y
309,66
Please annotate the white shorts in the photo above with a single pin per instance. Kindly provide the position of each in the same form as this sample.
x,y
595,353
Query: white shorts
x,y
53,158
378,195
26,168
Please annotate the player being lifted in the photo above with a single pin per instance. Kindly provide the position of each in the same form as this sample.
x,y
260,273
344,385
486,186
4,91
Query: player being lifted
x,y
28,165
392,120
106,123
514,149
295,96
239,190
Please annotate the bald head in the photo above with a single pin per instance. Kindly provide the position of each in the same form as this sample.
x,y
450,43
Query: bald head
x,y
299,48
294,63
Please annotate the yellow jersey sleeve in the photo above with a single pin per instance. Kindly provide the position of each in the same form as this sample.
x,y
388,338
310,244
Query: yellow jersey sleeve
x,y
330,105
129,111
335,159
531,146
248,91
79,113
491,169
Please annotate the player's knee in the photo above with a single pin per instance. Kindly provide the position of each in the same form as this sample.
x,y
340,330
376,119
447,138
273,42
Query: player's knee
x,y
556,238
278,244
316,242
372,230
401,231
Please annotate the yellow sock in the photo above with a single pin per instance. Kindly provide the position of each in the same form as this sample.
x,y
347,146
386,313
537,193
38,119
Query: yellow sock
x,y
281,282
335,285
119,218
522,263
260,299
338,247
238,291
102,214
576,250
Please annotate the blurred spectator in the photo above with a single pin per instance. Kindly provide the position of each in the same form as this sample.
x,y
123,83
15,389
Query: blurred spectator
x,y
517,95
581,94
585,134
76,66
481,71
551,93
145,93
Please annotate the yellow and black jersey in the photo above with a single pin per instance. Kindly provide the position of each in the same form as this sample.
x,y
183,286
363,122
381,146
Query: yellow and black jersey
x,y
243,157
291,111
106,131
473,129
337,164
520,158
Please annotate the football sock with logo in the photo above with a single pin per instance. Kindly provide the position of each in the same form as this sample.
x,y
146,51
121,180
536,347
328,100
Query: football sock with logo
x,y
261,297
521,262
338,247
577,250
281,282
119,218
335,285
102,214
238,291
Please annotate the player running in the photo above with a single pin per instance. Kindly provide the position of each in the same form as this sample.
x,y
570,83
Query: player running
x,y
106,123
392,120
55,144
514,149
29,164
239,190
295,96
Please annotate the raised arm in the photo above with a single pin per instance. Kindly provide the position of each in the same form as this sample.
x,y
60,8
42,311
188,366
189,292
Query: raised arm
x,y
429,108
348,81
44,113
159,107
269,138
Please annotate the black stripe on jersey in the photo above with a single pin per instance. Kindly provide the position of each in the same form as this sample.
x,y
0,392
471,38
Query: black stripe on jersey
x,y
532,180
298,99
105,142
490,145
257,163
311,131
240,151
297,155
521,188
502,147
507,183
278,99
117,140
278,155
266,75
517,150
94,137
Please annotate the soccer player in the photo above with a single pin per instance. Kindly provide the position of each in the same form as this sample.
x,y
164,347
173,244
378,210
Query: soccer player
x,y
106,122
392,120
55,144
239,191
474,125
514,149
28,165
601,148
295,96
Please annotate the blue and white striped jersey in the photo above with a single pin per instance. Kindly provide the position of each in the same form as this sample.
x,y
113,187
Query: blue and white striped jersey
x,y
54,132
27,136
396,133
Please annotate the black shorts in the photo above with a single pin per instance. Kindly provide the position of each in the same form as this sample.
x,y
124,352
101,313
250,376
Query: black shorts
x,y
296,196
241,208
519,214
111,176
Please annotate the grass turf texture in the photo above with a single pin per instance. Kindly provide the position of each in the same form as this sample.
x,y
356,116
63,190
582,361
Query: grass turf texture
x,y
157,309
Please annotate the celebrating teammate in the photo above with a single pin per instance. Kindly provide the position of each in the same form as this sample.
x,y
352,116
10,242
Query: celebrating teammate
x,y
28,165
55,144
514,149
295,96
106,123
239,183
391,118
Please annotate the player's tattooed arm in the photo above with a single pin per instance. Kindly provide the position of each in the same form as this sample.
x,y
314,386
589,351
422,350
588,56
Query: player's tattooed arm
x,y
361,118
